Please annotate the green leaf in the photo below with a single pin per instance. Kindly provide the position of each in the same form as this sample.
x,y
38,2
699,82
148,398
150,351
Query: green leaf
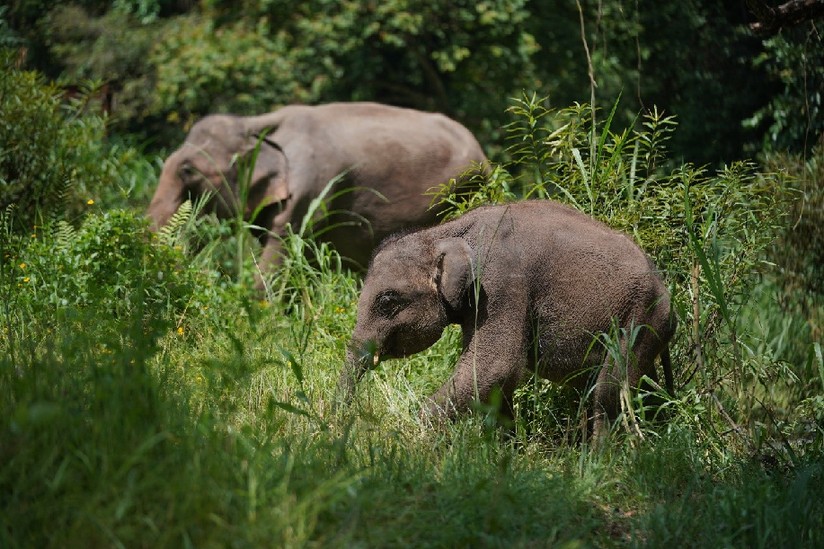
x,y
289,408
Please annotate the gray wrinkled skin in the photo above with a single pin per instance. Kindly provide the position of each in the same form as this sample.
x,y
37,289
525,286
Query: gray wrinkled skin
x,y
531,284
390,157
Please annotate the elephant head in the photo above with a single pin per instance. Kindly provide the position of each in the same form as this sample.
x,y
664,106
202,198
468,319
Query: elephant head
x,y
411,294
213,159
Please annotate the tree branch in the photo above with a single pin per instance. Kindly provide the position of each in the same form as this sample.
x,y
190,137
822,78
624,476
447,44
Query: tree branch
x,y
771,20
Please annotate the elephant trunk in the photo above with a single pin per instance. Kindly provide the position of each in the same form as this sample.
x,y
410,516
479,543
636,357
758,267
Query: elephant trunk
x,y
167,198
357,363
353,370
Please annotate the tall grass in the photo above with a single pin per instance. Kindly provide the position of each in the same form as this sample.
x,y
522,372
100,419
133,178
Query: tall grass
x,y
149,400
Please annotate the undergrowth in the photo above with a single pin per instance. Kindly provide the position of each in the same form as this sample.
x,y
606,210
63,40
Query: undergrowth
x,y
149,400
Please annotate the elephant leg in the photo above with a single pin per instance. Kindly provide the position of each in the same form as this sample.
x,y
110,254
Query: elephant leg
x,y
623,371
271,256
648,348
605,400
615,371
490,359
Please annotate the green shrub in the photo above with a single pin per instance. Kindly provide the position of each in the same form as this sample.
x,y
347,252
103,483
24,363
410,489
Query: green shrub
x,y
799,253
52,157
794,115
202,69
110,264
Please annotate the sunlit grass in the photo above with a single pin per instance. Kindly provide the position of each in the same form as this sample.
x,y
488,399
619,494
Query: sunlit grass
x,y
149,399
116,436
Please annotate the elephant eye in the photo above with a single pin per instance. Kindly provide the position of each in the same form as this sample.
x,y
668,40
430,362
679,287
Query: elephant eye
x,y
390,303
187,171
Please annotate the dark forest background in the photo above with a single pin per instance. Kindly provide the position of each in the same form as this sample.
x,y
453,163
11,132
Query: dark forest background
x,y
161,64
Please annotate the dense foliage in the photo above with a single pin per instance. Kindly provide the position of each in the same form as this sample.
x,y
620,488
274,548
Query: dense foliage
x,y
54,162
147,399
51,163
168,63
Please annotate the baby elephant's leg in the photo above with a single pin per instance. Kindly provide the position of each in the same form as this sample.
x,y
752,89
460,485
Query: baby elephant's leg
x,y
618,368
623,372
486,363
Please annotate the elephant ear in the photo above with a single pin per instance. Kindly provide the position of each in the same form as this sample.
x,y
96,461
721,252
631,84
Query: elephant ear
x,y
455,270
270,177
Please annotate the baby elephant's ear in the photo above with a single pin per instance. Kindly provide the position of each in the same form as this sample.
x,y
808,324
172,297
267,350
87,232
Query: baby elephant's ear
x,y
455,270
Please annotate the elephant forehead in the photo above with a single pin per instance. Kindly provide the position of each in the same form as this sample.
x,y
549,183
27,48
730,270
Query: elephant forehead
x,y
384,279
208,146
214,144
398,265
409,249
216,126
403,279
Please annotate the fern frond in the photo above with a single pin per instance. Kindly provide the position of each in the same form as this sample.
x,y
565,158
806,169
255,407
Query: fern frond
x,y
64,236
170,233
5,219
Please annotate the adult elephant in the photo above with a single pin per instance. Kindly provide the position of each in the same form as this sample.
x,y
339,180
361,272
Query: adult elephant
x,y
387,161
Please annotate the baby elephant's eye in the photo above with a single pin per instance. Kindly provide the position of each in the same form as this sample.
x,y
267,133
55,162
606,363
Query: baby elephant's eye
x,y
389,303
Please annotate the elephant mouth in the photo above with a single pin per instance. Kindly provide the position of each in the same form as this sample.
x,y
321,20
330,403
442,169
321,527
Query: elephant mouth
x,y
371,353
393,348
367,354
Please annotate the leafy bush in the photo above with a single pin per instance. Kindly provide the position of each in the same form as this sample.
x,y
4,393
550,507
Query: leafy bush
x,y
113,49
8,37
202,69
798,255
437,55
800,251
794,116
52,157
110,264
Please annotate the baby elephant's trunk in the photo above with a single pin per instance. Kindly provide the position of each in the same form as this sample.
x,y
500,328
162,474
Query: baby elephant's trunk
x,y
357,362
349,376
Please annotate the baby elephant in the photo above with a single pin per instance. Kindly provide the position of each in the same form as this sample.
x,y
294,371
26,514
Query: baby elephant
x,y
533,285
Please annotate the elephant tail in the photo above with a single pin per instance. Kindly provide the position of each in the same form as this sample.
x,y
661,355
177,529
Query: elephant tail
x,y
667,365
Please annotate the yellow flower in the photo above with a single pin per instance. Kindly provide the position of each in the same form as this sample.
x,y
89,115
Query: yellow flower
x,y
22,265
180,330
26,279
90,202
